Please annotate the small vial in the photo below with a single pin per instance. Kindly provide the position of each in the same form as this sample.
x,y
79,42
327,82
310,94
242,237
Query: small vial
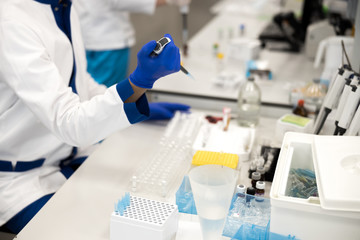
x,y
220,62
250,191
260,191
260,161
255,176
261,170
215,49
240,201
231,33
240,190
270,158
220,34
242,29
267,166
252,169
300,109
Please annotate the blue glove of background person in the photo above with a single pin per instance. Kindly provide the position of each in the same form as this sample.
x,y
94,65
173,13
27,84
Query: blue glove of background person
x,y
149,69
165,110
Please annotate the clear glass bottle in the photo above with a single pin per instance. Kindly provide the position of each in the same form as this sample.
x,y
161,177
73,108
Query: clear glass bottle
x,y
314,95
249,104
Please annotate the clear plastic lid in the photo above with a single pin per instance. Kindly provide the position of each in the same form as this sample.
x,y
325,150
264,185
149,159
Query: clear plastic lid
x,y
337,167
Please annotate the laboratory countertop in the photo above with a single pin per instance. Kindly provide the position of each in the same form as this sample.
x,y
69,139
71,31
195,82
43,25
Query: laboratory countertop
x,y
288,69
81,208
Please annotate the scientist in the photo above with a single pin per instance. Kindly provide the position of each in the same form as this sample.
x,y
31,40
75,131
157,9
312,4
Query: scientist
x,y
50,107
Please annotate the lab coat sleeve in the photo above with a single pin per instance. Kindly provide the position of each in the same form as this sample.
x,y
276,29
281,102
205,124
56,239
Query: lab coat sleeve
x,y
135,6
94,88
36,80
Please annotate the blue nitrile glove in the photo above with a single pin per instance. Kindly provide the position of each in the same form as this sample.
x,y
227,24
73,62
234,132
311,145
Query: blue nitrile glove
x,y
149,69
165,110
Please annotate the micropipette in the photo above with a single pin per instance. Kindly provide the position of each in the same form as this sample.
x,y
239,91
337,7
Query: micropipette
x,y
351,105
332,97
159,48
344,96
184,12
354,127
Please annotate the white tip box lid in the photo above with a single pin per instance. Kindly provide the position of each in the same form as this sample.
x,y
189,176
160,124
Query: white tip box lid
x,y
337,167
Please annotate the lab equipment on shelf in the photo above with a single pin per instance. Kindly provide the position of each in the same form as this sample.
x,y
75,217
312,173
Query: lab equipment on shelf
x,y
226,76
136,218
171,160
265,156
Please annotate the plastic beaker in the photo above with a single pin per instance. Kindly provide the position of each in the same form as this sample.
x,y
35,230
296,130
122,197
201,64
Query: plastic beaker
x,y
213,187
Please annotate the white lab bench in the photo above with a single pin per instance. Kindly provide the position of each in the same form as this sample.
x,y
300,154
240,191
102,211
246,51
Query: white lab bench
x,y
82,207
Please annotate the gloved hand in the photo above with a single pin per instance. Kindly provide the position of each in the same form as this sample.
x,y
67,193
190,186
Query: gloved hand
x,y
179,3
165,110
149,69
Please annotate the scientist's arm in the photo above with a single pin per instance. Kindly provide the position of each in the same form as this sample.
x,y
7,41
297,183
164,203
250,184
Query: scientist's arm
x,y
28,69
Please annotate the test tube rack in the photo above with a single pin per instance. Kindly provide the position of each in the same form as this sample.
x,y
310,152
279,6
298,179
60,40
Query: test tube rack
x,y
172,159
143,218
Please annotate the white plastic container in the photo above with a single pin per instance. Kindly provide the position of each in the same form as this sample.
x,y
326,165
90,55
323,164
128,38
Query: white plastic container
x,y
292,123
237,140
145,219
335,214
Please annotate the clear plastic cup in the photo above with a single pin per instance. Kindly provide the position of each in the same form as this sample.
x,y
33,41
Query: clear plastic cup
x,y
213,188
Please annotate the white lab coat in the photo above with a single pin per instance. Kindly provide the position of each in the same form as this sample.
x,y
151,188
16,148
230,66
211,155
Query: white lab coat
x,y
40,116
106,25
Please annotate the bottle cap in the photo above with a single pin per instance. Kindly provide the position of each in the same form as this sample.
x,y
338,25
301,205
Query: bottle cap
x,y
240,188
301,102
220,55
255,176
260,185
250,191
260,169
